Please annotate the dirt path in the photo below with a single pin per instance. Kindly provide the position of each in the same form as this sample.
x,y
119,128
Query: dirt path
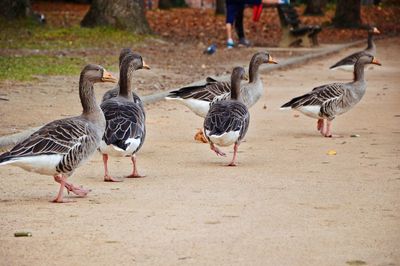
x,y
287,203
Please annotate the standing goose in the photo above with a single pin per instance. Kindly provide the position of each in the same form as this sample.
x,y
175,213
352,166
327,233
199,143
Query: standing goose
x,y
347,63
198,98
61,146
328,101
227,121
125,119
114,92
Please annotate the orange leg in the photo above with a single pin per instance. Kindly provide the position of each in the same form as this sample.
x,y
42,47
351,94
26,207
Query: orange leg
x,y
135,173
235,149
216,150
107,176
62,180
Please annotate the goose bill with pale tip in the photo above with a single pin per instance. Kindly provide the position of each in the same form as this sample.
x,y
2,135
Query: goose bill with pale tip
x,y
146,66
108,77
376,62
271,60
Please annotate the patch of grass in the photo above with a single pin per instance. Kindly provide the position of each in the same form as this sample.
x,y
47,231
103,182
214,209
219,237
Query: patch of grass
x,y
27,34
98,45
25,68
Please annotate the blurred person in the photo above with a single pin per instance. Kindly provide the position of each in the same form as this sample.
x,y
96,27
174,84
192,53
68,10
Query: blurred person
x,y
234,16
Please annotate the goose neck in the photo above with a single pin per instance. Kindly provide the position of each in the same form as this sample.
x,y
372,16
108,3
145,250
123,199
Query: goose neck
x,y
235,88
87,97
253,71
125,78
359,72
371,43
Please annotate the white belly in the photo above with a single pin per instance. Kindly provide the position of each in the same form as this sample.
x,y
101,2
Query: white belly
x,y
347,68
310,111
41,164
198,107
118,152
225,139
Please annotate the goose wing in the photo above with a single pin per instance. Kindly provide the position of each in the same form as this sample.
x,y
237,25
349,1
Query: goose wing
x,y
227,116
206,92
351,59
68,137
124,121
318,96
348,60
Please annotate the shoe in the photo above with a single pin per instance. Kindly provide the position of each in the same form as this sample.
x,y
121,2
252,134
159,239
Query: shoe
x,y
230,44
244,42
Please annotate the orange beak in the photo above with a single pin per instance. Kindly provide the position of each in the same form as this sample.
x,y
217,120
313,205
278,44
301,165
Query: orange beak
x,y
107,77
376,62
272,60
145,66
376,31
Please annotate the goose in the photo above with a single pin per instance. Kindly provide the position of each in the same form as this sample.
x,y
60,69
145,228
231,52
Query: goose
x,y
125,119
347,63
198,98
61,146
114,92
327,101
226,122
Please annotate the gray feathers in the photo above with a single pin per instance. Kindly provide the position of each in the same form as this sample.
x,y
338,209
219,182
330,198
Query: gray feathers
x,y
226,116
124,119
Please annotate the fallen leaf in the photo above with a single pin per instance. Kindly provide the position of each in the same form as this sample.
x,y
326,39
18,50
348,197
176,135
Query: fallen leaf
x,y
331,152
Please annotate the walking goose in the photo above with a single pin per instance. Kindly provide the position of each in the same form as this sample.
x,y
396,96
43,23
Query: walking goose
x,y
227,121
198,98
347,63
61,146
125,119
114,92
327,101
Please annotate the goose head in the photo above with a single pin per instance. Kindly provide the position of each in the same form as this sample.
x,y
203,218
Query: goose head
x,y
264,58
124,52
133,62
95,73
374,31
238,74
368,59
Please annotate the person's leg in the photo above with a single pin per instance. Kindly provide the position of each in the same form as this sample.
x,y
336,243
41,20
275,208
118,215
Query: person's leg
x,y
230,17
239,26
239,21
229,31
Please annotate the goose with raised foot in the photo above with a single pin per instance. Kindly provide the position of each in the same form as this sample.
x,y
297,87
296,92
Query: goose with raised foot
x,y
347,63
226,122
198,98
125,119
328,101
61,146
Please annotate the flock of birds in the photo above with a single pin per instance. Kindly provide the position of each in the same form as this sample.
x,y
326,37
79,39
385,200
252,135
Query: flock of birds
x,y
117,127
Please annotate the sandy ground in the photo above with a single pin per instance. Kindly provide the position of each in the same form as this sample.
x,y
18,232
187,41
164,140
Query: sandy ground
x,y
287,203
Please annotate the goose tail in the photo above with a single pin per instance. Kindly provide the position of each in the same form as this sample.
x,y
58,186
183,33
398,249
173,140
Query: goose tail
x,y
293,103
5,158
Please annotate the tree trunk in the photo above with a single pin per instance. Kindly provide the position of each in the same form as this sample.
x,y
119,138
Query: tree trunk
x,y
315,7
11,9
348,14
220,7
122,14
